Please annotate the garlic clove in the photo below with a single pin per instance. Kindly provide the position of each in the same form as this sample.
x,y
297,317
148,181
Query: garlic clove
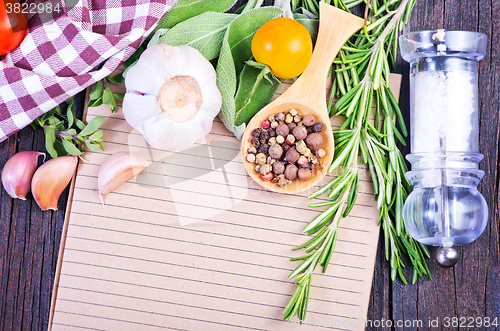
x,y
17,173
116,170
139,101
50,180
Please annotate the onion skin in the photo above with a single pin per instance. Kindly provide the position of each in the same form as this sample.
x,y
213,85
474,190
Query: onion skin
x,y
17,173
50,180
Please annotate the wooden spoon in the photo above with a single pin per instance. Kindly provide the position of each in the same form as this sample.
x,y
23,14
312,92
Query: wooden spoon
x,y
308,94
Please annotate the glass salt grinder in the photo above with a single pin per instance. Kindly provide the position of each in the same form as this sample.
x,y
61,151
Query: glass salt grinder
x,y
445,208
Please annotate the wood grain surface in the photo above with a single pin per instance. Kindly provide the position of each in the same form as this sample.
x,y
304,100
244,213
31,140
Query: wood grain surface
x,y
29,238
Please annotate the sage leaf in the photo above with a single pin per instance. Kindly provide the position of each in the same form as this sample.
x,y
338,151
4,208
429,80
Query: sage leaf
x,y
186,9
204,32
311,24
234,52
253,93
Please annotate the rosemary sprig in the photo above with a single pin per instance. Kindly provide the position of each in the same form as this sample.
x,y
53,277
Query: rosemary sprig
x,y
361,74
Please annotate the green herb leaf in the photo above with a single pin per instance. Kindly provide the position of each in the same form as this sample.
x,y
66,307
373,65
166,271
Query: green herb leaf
x,y
108,98
204,32
50,138
92,126
96,91
117,79
253,92
70,148
186,9
234,52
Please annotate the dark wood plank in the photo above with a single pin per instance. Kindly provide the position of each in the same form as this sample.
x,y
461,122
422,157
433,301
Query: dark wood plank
x,y
467,289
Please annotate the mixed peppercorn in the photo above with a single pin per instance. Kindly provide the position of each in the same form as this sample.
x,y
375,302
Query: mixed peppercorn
x,y
287,146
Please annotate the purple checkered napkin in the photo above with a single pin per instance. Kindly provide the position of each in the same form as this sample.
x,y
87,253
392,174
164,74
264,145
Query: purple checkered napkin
x,y
65,52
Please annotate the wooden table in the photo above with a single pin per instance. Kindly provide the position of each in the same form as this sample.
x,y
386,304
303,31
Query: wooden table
x,y
29,238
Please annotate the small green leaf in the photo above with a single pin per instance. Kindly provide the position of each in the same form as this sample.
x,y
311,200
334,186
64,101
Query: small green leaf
x,y
95,103
96,135
50,138
70,115
108,99
92,126
79,124
116,79
96,91
70,148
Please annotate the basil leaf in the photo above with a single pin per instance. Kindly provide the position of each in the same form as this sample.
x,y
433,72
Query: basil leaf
x,y
70,148
92,126
96,91
108,99
50,138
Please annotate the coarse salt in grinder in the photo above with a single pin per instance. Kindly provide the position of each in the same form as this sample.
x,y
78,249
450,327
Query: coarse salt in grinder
x,y
445,208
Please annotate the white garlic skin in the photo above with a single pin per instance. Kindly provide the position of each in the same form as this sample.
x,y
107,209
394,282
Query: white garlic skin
x,y
116,170
179,126
18,171
50,180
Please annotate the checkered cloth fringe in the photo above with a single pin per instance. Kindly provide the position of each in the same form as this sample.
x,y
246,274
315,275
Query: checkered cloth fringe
x,y
63,53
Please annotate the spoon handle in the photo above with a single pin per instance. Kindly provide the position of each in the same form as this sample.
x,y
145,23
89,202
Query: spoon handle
x,y
335,27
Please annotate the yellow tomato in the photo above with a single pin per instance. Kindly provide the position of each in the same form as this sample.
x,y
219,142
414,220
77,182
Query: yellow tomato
x,y
284,45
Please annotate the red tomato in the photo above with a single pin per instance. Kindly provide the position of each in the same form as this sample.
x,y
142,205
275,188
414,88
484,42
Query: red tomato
x,y
13,25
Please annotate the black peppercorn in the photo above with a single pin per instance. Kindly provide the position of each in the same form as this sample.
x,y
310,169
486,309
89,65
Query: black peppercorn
x,y
286,147
264,137
256,132
318,127
255,142
272,133
264,148
292,126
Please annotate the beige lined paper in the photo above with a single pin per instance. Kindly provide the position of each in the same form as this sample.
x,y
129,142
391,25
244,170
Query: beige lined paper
x,y
195,244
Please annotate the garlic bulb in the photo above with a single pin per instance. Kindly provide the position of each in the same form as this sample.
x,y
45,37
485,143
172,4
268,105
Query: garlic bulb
x,y
50,180
172,96
17,173
116,170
